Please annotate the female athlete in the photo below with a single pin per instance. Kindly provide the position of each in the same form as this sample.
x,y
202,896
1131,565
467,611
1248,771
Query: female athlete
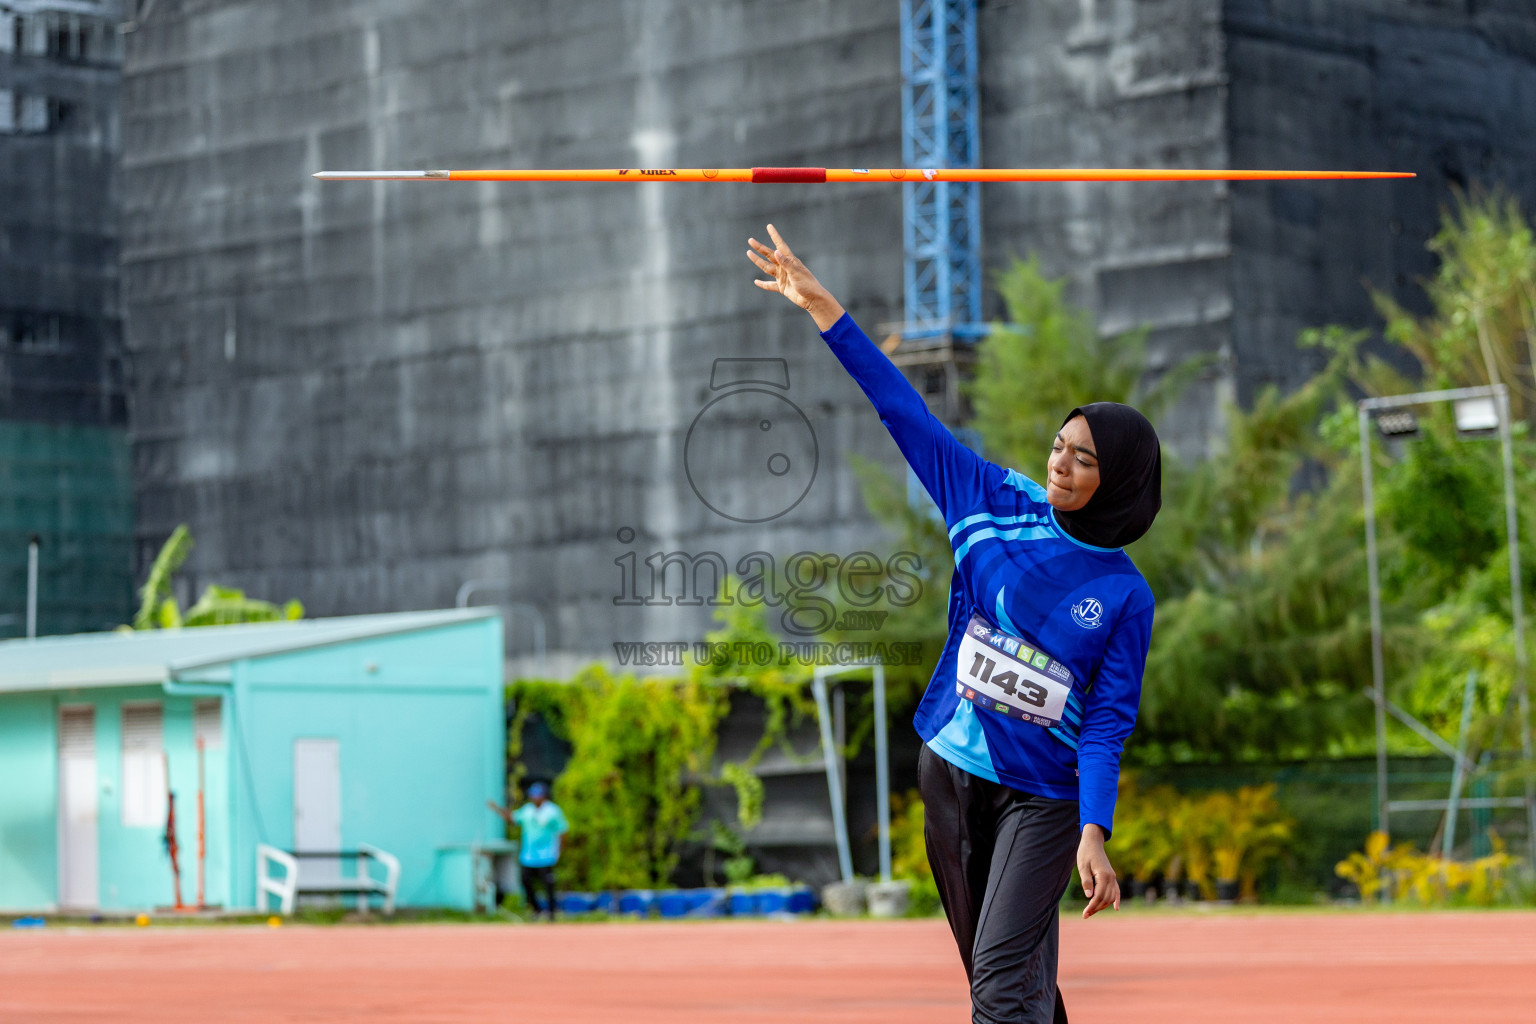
x,y
1037,689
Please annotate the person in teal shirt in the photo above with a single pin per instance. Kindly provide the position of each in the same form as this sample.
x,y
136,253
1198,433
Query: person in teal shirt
x,y
540,823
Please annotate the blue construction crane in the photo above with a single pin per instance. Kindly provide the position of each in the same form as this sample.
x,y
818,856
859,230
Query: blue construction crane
x,y
939,128
941,222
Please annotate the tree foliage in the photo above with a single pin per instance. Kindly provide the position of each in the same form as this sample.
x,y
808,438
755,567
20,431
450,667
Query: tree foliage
x,y
1261,633
642,750
1269,656
1482,327
1049,358
638,749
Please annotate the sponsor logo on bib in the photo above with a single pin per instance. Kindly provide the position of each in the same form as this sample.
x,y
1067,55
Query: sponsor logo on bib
x,y
1088,613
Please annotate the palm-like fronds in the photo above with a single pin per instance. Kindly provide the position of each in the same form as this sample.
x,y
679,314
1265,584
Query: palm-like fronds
x,y
223,606
157,586
218,606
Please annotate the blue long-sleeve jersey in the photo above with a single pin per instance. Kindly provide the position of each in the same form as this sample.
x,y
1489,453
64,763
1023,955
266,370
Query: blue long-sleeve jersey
x,y
1086,606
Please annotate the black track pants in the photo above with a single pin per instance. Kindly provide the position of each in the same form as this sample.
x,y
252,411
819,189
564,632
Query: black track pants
x,y
535,879
1002,860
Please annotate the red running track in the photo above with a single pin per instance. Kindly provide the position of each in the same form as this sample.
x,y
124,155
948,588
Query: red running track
x,y
1127,968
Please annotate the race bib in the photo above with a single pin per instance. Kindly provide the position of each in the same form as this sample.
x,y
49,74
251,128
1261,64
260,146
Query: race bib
x,y
1006,675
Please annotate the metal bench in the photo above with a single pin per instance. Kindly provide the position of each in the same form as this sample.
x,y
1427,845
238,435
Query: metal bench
x,y
292,884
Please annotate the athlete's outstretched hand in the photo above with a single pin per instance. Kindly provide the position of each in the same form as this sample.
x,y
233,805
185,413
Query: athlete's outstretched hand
x,y
793,280
1099,882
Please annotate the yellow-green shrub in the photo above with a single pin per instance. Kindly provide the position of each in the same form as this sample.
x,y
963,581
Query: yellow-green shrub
x,y
1248,831
1403,873
1145,843
1230,836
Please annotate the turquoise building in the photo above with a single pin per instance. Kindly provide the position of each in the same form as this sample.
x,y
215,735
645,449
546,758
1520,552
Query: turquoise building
x,y
323,734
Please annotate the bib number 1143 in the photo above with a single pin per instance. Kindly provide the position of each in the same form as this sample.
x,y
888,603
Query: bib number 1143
x,y
1004,674
984,670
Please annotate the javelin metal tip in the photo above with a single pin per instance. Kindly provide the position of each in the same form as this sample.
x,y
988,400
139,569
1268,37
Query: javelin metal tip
x,y
381,175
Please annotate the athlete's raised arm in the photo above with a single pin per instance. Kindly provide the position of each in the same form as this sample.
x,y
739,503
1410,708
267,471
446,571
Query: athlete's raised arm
x,y
955,476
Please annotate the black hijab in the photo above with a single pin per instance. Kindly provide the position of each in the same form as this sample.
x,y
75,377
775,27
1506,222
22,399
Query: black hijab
x,y
1130,477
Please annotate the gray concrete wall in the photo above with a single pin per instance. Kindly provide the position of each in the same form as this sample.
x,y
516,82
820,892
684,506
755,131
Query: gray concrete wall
x,y
1445,90
364,395
1118,83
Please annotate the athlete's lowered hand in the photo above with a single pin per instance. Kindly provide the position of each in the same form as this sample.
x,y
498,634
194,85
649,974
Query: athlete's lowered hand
x,y
793,280
1099,882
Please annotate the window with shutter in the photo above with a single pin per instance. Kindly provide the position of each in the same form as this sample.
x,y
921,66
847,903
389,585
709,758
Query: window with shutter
x,y
77,731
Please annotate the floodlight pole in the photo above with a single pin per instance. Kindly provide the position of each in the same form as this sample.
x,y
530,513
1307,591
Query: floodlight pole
x,y
1517,613
1378,680
1378,687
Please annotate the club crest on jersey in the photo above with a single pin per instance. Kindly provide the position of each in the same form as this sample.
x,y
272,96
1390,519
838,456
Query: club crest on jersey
x,y
1088,613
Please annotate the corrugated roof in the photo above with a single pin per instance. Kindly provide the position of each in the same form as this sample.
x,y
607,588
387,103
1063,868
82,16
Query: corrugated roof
x,y
155,656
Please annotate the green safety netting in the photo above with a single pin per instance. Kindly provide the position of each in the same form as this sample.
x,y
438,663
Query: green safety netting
x,y
72,486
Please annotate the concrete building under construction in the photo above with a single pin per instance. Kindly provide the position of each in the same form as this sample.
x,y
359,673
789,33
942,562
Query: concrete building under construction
x,y
64,455
379,396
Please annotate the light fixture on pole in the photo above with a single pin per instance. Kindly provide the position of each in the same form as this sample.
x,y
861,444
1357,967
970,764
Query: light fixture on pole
x,y
1398,424
1477,417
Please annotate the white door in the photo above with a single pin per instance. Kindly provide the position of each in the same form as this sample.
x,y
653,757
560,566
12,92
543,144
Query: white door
x,y
77,807
317,804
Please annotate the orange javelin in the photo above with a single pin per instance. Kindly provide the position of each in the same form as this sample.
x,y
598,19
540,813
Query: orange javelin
x,y
817,175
